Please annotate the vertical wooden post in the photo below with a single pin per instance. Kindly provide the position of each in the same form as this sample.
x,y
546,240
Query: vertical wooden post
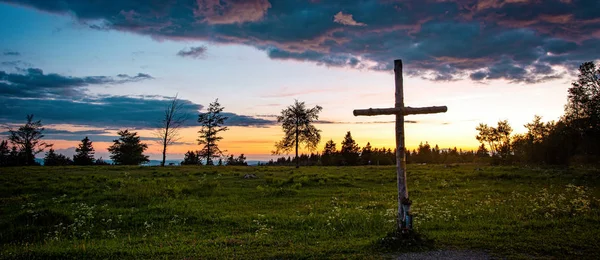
x,y
400,154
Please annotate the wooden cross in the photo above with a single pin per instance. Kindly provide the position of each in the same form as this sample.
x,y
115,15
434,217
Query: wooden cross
x,y
404,219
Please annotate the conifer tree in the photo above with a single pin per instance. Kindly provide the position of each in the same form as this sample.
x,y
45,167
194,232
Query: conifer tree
x,y
350,150
128,150
84,153
211,122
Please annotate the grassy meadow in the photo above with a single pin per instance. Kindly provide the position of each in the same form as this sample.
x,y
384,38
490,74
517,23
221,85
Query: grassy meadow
x,y
313,212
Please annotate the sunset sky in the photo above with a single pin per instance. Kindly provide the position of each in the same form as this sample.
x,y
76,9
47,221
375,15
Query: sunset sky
x,y
90,68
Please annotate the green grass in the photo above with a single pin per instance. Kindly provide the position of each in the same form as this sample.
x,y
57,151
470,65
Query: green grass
x,y
312,212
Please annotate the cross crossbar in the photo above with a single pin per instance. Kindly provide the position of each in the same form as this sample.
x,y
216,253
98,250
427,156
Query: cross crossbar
x,y
404,111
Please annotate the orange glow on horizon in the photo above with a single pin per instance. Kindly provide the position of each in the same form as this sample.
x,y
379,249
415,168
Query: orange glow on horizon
x,y
258,142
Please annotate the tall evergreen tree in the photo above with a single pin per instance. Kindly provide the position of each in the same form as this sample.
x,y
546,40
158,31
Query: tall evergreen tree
x,y
211,122
297,123
128,150
350,150
84,153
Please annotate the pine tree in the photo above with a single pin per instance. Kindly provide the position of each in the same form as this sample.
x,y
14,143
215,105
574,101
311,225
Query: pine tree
x,y
84,153
128,150
350,150
211,122
365,155
329,153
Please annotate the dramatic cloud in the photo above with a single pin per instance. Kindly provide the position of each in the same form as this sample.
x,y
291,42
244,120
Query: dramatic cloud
x,y
516,40
231,11
193,52
346,19
33,83
109,112
59,99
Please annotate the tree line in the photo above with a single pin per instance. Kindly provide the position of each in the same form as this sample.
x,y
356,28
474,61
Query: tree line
x,y
27,142
574,138
350,154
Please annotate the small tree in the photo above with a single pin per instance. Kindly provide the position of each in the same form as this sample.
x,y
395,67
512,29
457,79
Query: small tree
x,y
128,150
192,158
211,122
329,153
297,123
350,150
498,138
365,155
168,133
54,159
240,161
482,151
28,140
84,153
101,161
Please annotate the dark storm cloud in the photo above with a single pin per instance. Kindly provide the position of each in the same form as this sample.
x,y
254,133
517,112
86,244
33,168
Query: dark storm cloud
x,y
108,112
59,99
516,40
193,52
33,83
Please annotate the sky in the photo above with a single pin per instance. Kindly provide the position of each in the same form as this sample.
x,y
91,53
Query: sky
x,y
91,68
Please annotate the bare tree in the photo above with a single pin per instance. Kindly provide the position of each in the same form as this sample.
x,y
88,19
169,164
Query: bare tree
x,y
173,119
